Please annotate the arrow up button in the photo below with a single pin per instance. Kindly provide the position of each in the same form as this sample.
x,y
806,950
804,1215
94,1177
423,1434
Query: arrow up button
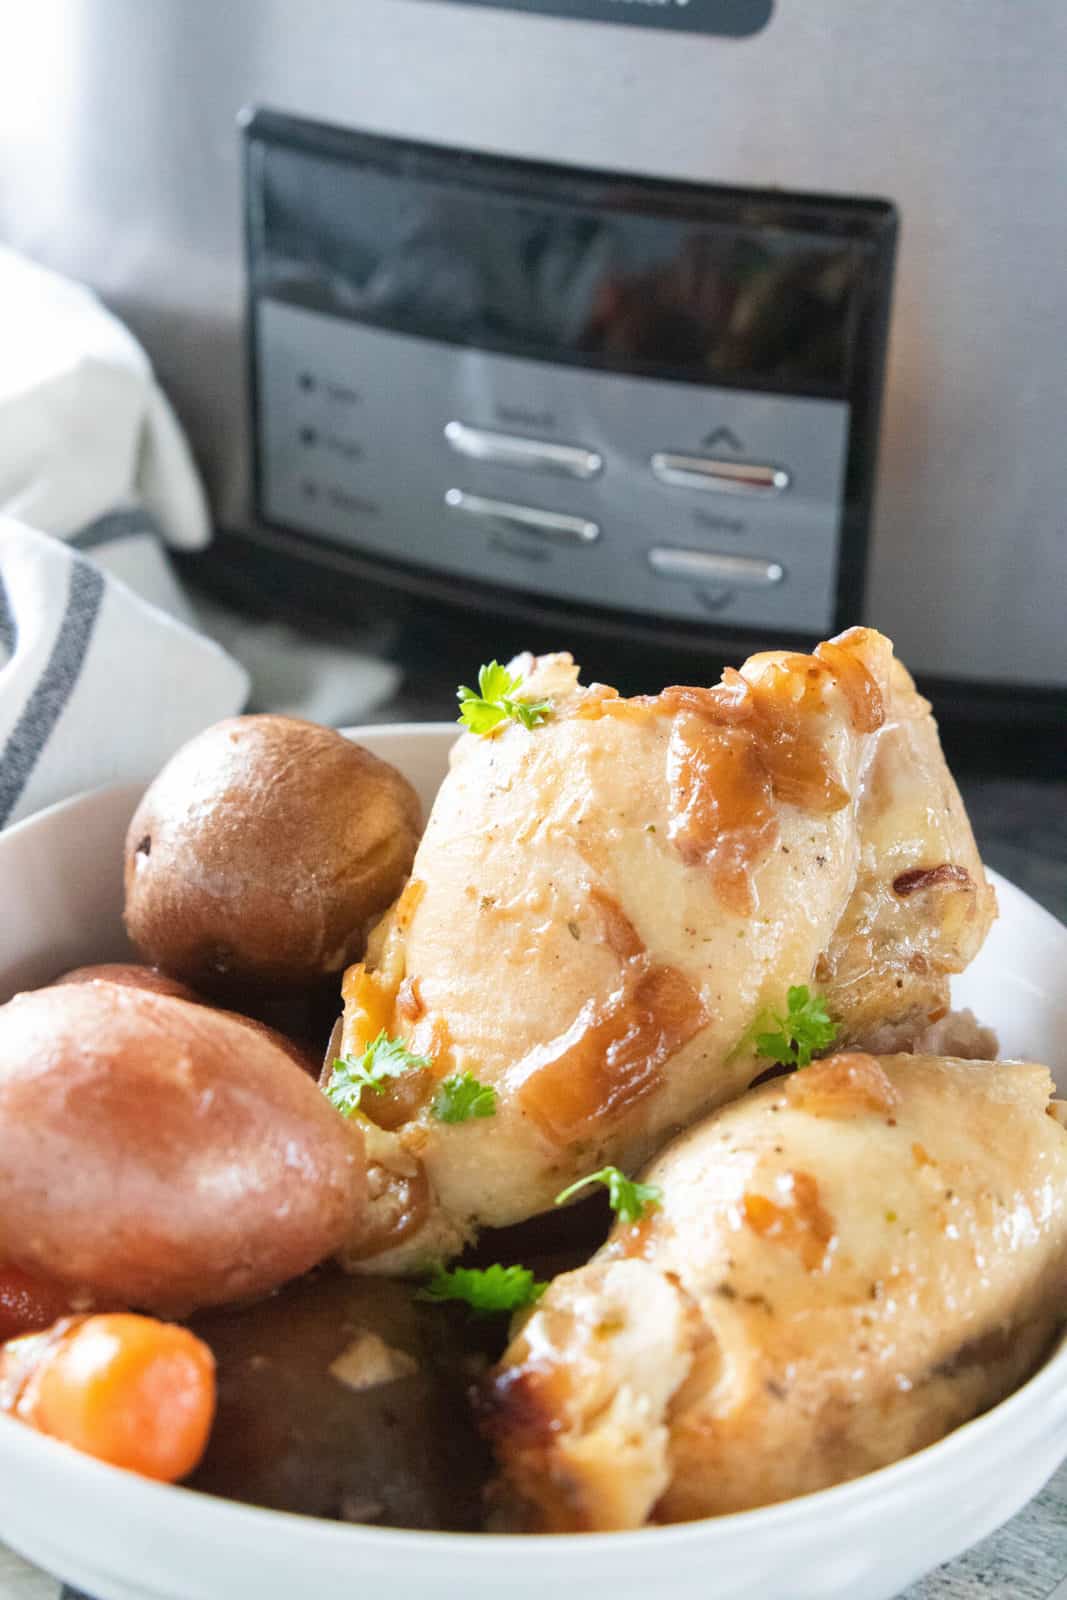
x,y
723,477
722,436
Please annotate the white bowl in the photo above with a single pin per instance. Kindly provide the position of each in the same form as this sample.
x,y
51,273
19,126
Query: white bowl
x,y
121,1538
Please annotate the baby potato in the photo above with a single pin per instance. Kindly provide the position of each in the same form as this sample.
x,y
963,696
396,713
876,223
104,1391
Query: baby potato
x,y
262,850
132,976
164,1155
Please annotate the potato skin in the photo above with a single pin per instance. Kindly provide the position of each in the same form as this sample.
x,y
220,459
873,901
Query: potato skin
x,y
162,1155
132,976
262,850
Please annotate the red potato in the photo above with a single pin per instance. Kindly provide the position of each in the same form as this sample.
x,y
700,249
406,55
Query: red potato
x,y
29,1303
163,1155
132,976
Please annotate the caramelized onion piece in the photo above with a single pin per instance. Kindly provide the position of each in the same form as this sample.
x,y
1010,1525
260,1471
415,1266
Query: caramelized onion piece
x,y
616,929
722,805
591,705
369,1001
737,748
842,1086
788,700
726,703
864,697
409,1002
399,1101
917,878
612,1056
398,1205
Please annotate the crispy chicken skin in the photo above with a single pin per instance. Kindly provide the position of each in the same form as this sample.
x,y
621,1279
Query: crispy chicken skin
x,y
602,908
846,1264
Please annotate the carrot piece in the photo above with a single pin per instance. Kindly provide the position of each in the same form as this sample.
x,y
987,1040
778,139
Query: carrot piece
x,y
129,1390
28,1304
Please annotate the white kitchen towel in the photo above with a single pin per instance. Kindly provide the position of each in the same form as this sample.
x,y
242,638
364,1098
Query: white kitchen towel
x,y
323,679
90,451
96,685
84,426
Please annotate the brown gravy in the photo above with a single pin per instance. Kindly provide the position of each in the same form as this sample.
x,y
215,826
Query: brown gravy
x,y
406,1454
291,1436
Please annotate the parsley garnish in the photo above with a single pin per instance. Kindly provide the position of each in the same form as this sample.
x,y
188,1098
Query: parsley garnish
x,y
628,1199
805,1028
485,1290
495,702
462,1097
383,1059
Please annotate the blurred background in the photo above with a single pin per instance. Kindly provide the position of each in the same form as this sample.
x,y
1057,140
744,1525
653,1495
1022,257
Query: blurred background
x,y
656,332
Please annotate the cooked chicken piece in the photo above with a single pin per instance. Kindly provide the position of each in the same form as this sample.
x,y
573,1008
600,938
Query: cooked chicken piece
x,y
846,1264
920,906
603,907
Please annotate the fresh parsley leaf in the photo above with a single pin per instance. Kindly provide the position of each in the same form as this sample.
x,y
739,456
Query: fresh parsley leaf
x,y
805,1028
628,1199
496,702
485,1289
461,1097
495,681
477,715
384,1058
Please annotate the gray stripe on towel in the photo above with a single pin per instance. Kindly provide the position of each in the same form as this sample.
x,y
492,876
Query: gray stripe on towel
x,y
130,524
9,633
45,705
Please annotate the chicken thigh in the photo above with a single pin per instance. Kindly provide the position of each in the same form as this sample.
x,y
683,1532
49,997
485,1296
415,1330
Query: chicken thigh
x,y
604,906
845,1265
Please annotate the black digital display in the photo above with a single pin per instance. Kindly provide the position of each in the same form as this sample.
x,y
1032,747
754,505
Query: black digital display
x,y
612,285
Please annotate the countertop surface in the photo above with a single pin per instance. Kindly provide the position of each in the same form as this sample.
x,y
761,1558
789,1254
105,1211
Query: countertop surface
x,y
1021,827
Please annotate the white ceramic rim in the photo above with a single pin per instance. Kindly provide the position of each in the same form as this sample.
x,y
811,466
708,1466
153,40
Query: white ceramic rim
x,y
1030,1410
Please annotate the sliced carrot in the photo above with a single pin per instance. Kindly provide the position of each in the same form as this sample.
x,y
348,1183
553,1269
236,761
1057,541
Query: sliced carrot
x,y
129,1390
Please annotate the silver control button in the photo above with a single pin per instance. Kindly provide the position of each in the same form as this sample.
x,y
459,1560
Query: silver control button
x,y
512,450
725,477
703,566
554,525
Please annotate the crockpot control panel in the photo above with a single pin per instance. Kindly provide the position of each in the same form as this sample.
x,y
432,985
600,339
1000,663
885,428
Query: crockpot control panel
x,y
643,397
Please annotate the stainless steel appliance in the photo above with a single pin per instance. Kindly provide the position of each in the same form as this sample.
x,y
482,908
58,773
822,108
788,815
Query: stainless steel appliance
x,y
120,163
657,401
